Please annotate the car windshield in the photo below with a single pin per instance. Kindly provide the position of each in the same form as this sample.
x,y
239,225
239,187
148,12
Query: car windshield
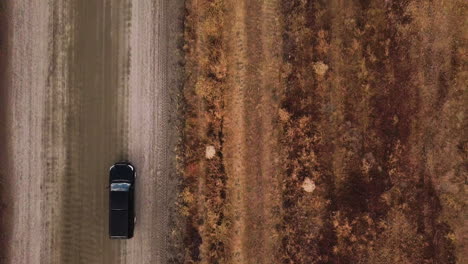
x,y
120,187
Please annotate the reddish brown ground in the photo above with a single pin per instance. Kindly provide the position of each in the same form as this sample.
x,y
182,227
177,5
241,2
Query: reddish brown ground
x,y
363,100
371,134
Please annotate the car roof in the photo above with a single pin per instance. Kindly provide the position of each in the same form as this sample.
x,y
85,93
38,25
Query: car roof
x,y
122,171
119,200
119,226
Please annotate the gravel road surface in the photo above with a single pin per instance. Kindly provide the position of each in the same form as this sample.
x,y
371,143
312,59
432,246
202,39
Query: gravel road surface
x,y
89,83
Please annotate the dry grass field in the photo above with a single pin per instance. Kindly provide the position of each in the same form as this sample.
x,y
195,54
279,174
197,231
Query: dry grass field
x,y
325,132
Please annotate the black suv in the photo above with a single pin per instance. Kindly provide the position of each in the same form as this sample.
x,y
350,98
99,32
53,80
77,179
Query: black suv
x,y
121,200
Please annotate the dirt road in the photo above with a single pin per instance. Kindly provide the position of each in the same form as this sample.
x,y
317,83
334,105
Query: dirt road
x,y
89,83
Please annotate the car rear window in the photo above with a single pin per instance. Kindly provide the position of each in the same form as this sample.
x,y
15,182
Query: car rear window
x,y
120,187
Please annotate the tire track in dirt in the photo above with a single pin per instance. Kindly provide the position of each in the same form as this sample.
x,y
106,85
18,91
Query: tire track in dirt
x,y
269,107
251,135
95,129
54,124
235,134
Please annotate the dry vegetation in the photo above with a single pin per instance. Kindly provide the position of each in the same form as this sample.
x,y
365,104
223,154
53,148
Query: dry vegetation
x,y
355,109
204,191
373,143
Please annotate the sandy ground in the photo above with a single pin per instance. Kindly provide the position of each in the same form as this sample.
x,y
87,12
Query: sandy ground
x,y
89,83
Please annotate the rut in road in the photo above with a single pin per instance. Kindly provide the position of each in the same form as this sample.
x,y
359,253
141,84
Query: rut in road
x,y
94,127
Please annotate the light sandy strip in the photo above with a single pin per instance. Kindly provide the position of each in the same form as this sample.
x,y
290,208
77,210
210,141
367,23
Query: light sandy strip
x,y
153,85
29,63
235,124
